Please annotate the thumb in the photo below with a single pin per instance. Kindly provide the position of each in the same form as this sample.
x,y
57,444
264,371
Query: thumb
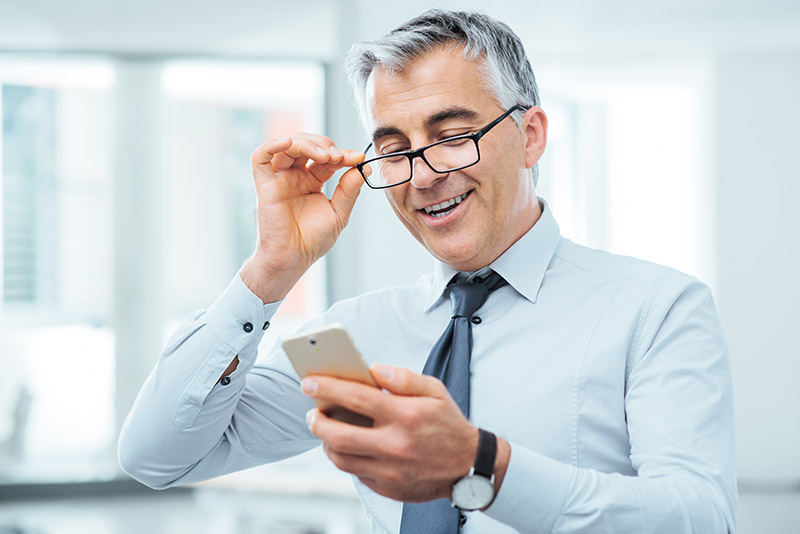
x,y
346,192
402,381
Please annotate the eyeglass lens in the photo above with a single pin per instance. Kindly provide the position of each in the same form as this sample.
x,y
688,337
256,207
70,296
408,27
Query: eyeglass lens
x,y
443,157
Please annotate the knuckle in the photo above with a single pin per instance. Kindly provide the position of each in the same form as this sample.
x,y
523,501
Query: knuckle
x,y
402,379
394,448
436,382
402,449
438,387
255,155
396,478
359,399
406,415
340,442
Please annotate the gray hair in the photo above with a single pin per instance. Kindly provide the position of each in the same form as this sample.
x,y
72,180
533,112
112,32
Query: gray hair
x,y
505,70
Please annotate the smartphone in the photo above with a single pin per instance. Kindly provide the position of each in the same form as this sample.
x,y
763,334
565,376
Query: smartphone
x,y
329,350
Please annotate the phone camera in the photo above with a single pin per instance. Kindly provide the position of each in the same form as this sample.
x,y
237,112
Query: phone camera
x,y
312,340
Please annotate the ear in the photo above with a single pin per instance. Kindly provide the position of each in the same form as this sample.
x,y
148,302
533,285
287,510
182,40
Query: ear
x,y
534,124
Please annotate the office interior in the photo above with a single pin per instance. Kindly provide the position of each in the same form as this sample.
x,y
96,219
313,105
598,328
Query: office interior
x,y
127,203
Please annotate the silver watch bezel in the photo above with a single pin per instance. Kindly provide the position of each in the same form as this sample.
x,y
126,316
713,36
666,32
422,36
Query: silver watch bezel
x,y
464,498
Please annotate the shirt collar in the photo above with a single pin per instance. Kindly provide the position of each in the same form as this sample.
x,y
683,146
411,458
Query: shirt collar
x,y
523,265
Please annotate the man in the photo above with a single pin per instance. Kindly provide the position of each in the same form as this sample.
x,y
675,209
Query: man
x,y
597,388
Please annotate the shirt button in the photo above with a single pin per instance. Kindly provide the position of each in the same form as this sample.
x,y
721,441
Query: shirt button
x,y
225,380
266,325
247,327
477,320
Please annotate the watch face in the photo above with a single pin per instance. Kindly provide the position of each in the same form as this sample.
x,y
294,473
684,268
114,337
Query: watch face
x,y
473,492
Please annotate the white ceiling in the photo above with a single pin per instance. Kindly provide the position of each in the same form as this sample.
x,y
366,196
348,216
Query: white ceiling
x,y
321,28
237,27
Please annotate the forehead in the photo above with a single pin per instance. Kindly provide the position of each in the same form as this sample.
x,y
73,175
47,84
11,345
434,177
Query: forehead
x,y
441,78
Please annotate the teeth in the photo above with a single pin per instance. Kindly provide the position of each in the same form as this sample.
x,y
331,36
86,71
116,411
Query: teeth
x,y
432,210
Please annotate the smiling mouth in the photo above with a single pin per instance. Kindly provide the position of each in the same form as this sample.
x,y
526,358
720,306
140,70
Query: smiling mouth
x,y
443,208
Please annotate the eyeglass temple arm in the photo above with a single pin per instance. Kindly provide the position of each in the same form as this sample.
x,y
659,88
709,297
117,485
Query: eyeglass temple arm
x,y
497,121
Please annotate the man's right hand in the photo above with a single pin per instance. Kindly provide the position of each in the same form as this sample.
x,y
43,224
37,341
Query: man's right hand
x,y
297,223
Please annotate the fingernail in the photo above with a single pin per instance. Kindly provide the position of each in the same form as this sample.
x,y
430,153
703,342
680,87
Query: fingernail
x,y
309,386
335,151
321,151
310,416
384,371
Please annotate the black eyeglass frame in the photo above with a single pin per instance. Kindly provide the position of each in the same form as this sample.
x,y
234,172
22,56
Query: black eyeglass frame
x,y
419,152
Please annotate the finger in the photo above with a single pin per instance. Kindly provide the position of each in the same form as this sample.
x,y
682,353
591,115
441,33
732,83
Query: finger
x,y
340,437
324,171
401,381
354,464
347,190
355,396
351,157
305,147
284,161
298,155
264,153
340,160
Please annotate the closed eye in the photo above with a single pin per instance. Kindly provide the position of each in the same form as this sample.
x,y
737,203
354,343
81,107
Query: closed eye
x,y
457,141
456,133
393,149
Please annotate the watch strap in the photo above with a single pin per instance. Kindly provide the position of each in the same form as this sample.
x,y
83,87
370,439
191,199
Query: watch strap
x,y
487,453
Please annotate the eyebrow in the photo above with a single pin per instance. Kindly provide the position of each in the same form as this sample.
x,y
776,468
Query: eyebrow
x,y
431,121
450,113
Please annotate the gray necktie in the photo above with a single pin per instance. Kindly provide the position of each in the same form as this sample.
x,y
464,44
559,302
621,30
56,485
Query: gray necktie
x,y
449,361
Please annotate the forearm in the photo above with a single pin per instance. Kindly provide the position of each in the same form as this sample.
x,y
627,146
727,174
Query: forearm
x,y
167,432
542,495
181,427
680,429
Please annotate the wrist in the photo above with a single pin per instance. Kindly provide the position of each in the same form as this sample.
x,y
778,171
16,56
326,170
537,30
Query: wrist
x,y
477,489
267,285
501,464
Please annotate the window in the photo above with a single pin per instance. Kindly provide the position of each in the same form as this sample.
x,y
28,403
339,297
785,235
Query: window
x,y
627,165
68,383
215,114
56,345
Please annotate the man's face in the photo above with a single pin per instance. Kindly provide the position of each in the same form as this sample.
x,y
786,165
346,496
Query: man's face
x,y
441,95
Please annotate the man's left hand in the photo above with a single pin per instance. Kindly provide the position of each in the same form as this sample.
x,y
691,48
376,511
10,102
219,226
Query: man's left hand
x,y
420,443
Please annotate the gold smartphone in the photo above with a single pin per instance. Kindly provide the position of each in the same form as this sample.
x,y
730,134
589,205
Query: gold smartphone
x,y
329,350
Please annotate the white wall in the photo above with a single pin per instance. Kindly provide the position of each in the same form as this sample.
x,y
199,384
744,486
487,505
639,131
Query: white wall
x,y
758,246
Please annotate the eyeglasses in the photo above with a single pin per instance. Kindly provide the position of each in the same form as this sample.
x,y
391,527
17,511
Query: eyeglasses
x,y
448,155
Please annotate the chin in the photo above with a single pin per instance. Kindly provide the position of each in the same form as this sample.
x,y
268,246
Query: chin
x,y
460,254
458,260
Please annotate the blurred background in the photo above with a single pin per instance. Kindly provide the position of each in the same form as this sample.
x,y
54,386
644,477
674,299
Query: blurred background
x,y
126,203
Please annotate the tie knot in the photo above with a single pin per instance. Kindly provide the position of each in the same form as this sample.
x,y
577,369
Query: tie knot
x,y
467,297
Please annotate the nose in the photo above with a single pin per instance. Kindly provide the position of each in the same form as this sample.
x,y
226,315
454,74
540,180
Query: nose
x,y
423,176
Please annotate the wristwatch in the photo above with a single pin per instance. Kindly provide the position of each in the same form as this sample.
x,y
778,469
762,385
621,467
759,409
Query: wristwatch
x,y
476,490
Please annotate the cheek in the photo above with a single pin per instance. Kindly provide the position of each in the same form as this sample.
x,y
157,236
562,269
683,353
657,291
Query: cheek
x,y
396,197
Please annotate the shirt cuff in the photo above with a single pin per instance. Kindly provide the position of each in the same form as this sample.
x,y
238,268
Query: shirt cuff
x,y
534,491
238,317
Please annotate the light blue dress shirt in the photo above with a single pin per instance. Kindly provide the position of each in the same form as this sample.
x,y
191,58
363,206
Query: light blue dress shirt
x,y
609,376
